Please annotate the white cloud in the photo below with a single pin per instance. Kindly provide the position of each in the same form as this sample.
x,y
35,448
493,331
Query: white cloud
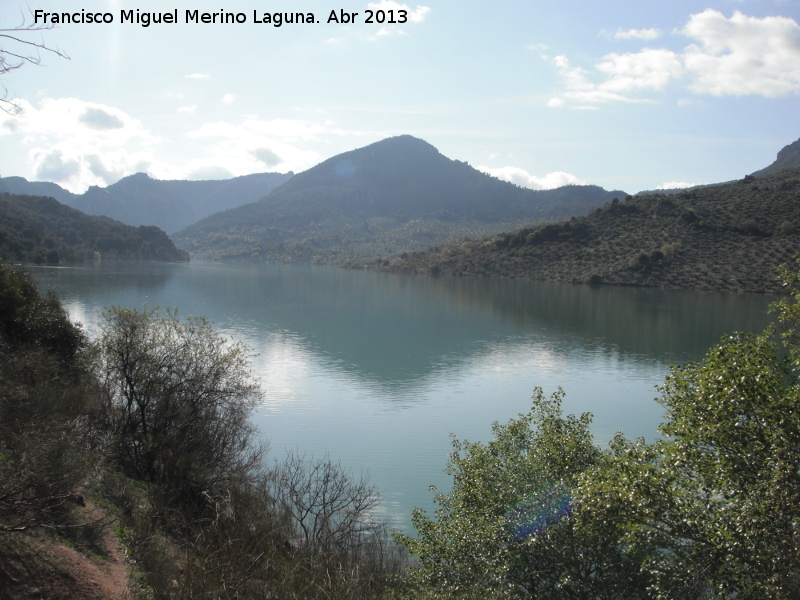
x,y
641,71
228,99
77,143
637,34
743,55
522,178
266,156
198,76
581,92
677,185
739,55
187,109
240,147
99,118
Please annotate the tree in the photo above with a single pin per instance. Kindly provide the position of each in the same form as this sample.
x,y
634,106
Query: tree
x,y
330,512
22,45
329,520
178,399
713,508
505,530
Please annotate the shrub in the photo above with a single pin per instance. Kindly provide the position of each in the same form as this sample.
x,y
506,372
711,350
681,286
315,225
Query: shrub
x,y
178,399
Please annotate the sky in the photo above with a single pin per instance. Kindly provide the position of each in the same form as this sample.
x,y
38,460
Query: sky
x,y
629,95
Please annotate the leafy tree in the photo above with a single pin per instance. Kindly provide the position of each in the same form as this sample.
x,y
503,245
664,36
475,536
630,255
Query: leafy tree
x,y
713,508
505,529
178,398
29,320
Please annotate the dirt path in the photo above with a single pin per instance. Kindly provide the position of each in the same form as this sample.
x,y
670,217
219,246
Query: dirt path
x,y
48,568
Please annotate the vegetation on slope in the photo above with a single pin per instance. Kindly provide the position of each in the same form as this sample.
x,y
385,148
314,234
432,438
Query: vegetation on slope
x,y
725,237
41,230
396,195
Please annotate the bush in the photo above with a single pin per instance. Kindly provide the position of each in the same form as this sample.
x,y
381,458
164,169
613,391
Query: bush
x,y
48,438
178,399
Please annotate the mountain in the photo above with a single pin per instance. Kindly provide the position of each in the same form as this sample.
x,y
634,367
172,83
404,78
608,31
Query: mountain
x,y
393,196
725,237
788,158
37,229
140,200
21,186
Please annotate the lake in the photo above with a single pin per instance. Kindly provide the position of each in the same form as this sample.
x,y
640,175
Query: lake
x,y
378,370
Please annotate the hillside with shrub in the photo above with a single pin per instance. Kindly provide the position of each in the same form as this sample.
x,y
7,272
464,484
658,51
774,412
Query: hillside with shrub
x,y
396,195
40,230
130,468
723,237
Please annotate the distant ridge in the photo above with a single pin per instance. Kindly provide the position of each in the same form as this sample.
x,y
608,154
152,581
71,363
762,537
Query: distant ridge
x,y
396,195
168,204
723,237
20,185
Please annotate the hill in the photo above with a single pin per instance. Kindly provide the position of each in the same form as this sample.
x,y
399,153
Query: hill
x,y
141,200
36,229
788,158
397,195
724,237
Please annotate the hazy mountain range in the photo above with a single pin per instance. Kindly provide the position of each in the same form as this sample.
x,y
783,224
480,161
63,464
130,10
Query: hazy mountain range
x,y
399,204
140,200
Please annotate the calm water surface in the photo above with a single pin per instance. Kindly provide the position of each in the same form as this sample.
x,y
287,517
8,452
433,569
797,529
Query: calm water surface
x,y
378,370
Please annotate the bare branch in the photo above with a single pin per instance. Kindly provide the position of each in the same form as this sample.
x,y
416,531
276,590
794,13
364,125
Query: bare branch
x,y
19,46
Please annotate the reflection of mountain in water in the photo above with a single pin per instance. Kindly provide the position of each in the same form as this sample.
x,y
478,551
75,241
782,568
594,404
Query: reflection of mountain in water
x,y
392,330
398,328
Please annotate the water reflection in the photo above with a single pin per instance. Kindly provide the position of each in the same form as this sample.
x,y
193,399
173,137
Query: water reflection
x,y
377,370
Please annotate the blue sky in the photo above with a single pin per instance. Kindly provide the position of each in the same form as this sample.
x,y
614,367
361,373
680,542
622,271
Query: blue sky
x,y
627,95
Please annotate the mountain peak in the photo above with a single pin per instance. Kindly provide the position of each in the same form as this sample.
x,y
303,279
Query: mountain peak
x,y
788,158
391,196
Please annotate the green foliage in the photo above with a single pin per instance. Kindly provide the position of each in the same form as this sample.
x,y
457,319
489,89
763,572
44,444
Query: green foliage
x,y
47,439
505,528
27,319
711,510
